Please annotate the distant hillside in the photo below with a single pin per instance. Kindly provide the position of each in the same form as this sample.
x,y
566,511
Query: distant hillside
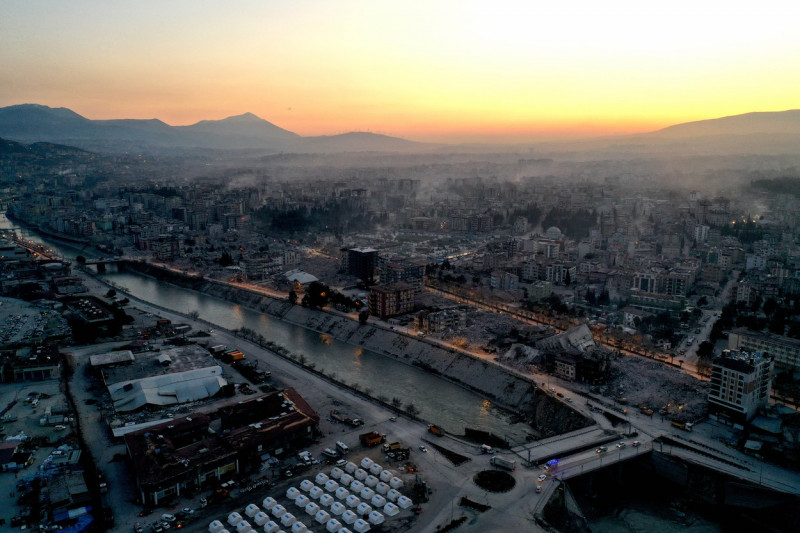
x,y
779,122
29,123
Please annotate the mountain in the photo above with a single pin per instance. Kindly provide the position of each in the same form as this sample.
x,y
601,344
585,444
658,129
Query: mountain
x,y
765,123
31,123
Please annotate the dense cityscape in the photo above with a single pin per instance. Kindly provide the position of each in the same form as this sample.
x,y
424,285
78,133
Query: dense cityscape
x,y
611,325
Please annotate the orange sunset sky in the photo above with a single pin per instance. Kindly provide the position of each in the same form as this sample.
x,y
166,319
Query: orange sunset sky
x,y
451,71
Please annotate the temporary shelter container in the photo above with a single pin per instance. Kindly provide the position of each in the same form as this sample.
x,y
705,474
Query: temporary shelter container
x,y
306,485
321,478
395,482
386,475
288,519
378,501
375,518
337,472
251,510
278,511
363,508
243,527
360,474
366,462
234,518
268,503
331,485
348,517
404,502
375,469
367,493
345,480
333,526
292,493
299,527
352,500
371,481
311,509
315,493
356,486
361,526
350,467
322,517
271,527
215,527
326,500
341,493
260,518
393,495
302,501
337,508
390,509
381,488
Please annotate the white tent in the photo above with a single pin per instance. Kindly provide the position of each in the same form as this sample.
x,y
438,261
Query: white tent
x,y
395,482
215,527
234,518
346,479
366,462
288,519
278,511
311,509
378,500
271,527
302,501
326,500
292,493
360,474
321,478
381,488
386,475
331,485
352,500
337,508
404,502
393,495
350,467
243,527
268,503
299,527
322,517
333,526
261,518
363,508
367,493
337,472
375,518
251,510
375,469
356,486
348,517
390,509
315,493
361,526
371,481
342,493
306,485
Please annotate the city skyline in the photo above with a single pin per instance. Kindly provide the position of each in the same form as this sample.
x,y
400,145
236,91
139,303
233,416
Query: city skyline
x,y
441,72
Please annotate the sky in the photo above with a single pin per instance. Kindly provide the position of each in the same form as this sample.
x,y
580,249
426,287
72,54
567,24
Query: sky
x,y
427,70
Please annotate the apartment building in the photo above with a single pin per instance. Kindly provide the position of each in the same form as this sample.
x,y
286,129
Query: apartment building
x,y
740,386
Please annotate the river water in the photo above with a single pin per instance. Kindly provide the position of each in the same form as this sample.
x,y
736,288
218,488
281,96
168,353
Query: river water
x,y
438,400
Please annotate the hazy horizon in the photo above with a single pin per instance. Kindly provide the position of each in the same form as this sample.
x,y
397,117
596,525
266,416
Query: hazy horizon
x,y
449,72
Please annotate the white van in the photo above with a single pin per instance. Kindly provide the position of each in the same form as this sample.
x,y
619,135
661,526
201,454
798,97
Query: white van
x,y
342,447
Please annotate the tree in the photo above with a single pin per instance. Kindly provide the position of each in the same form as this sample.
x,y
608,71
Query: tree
x,y
412,409
81,260
292,297
225,259
318,294
363,316
111,293
705,350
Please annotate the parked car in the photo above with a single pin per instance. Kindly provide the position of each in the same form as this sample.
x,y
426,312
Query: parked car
x,y
169,518
541,477
601,449
635,443
137,528
423,449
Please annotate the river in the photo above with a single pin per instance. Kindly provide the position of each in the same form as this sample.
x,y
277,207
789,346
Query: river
x,y
440,401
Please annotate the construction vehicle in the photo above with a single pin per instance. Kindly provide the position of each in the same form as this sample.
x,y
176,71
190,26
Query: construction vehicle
x,y
339,417
392,447
371,439
686,426
436,430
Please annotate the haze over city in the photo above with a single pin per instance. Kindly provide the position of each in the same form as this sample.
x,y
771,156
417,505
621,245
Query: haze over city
x,y
447,71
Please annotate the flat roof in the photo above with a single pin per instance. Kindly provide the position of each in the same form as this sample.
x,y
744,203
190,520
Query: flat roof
x,y
110,358
183,359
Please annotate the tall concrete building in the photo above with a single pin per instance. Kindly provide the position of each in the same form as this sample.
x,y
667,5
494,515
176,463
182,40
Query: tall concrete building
x,y
740,386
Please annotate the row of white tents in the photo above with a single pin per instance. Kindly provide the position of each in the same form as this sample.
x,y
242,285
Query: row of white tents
x,y
331,495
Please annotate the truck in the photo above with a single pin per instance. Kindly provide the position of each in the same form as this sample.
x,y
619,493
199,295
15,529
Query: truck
x,y
339,417
392,447
502,462
372,439
217,350
436,430
686,426
231,356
